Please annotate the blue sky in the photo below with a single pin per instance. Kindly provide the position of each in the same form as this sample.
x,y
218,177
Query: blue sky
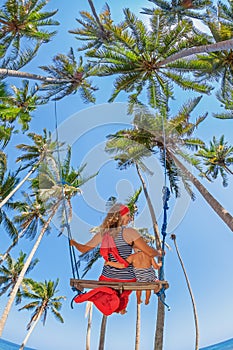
x,y
205,242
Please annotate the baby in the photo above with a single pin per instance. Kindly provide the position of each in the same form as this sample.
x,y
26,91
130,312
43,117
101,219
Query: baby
x,y
144,271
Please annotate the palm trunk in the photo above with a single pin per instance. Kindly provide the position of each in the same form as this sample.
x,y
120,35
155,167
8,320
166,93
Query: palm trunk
x,y
138,327
151,209
220,46
31,330
24,75
88,335
24,270
215,205
18,186
158,345
160,312
190,292
102,332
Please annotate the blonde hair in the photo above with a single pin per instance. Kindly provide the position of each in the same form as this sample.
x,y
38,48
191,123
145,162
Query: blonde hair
x,y
112,221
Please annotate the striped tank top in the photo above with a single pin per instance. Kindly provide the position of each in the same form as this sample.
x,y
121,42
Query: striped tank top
x,y
124,250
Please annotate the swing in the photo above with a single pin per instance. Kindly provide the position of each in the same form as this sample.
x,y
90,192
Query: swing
x,y
79,285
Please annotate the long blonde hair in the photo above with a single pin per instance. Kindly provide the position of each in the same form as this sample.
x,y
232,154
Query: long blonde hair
x,y
112,221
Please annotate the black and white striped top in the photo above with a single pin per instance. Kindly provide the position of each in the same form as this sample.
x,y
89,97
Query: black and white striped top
x,y
124,250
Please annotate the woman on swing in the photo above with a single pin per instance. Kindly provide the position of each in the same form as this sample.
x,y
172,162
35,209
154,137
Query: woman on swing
x,y
116,244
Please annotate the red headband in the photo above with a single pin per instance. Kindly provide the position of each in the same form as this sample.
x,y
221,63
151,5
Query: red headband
x,y
124,210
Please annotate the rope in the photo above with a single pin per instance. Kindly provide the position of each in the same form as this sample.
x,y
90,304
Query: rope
x,y
166,195
74,264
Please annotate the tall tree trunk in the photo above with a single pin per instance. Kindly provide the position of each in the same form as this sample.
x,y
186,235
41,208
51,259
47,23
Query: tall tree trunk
x,y
158,344
159,331
220,46
18,186
24,270
215,205
173,237
31,330
102,332
138,327
89,309
151,209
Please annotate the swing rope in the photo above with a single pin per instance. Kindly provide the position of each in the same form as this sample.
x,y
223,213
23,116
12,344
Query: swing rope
x,y
166,195
73,260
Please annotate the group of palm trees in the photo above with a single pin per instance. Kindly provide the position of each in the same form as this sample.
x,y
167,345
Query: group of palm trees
x,y
147,61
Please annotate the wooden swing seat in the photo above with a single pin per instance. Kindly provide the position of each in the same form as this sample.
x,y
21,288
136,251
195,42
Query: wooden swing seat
x,y
91,284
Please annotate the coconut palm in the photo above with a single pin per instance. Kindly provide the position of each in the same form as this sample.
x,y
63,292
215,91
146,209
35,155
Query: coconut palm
x,y
56,191
96,30
217,66
138,55
8,181
24,19
217,158
17,107
173,237
10,272
68,76
65,76
44,300
176,10
156,132
30,218
34,155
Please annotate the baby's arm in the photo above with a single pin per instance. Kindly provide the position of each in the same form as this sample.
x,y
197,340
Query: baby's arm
x,y
114,264
119,265
155,264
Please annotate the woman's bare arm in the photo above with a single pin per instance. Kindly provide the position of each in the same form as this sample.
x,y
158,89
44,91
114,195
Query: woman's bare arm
x,y
145,248
83,248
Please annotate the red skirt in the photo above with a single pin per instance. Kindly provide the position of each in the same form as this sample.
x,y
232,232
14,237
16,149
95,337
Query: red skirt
x,y
107,300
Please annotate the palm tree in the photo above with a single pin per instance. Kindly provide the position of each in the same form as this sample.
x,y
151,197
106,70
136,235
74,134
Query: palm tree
x,y
65,76
131,153
176,10
43,299
34,155
24,269
10,272
17,107
138,57
156,132
217,66
23,19
31,215
96,30
173,237
55,194
217,158
8,181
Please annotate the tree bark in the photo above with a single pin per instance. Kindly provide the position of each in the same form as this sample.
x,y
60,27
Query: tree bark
x,y
158,344
190,293
151,209
215,205
102,332
17,187
24,269
138,327
31,330
220,46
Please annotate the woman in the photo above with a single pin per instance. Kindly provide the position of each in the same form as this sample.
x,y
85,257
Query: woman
x,y
117,242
